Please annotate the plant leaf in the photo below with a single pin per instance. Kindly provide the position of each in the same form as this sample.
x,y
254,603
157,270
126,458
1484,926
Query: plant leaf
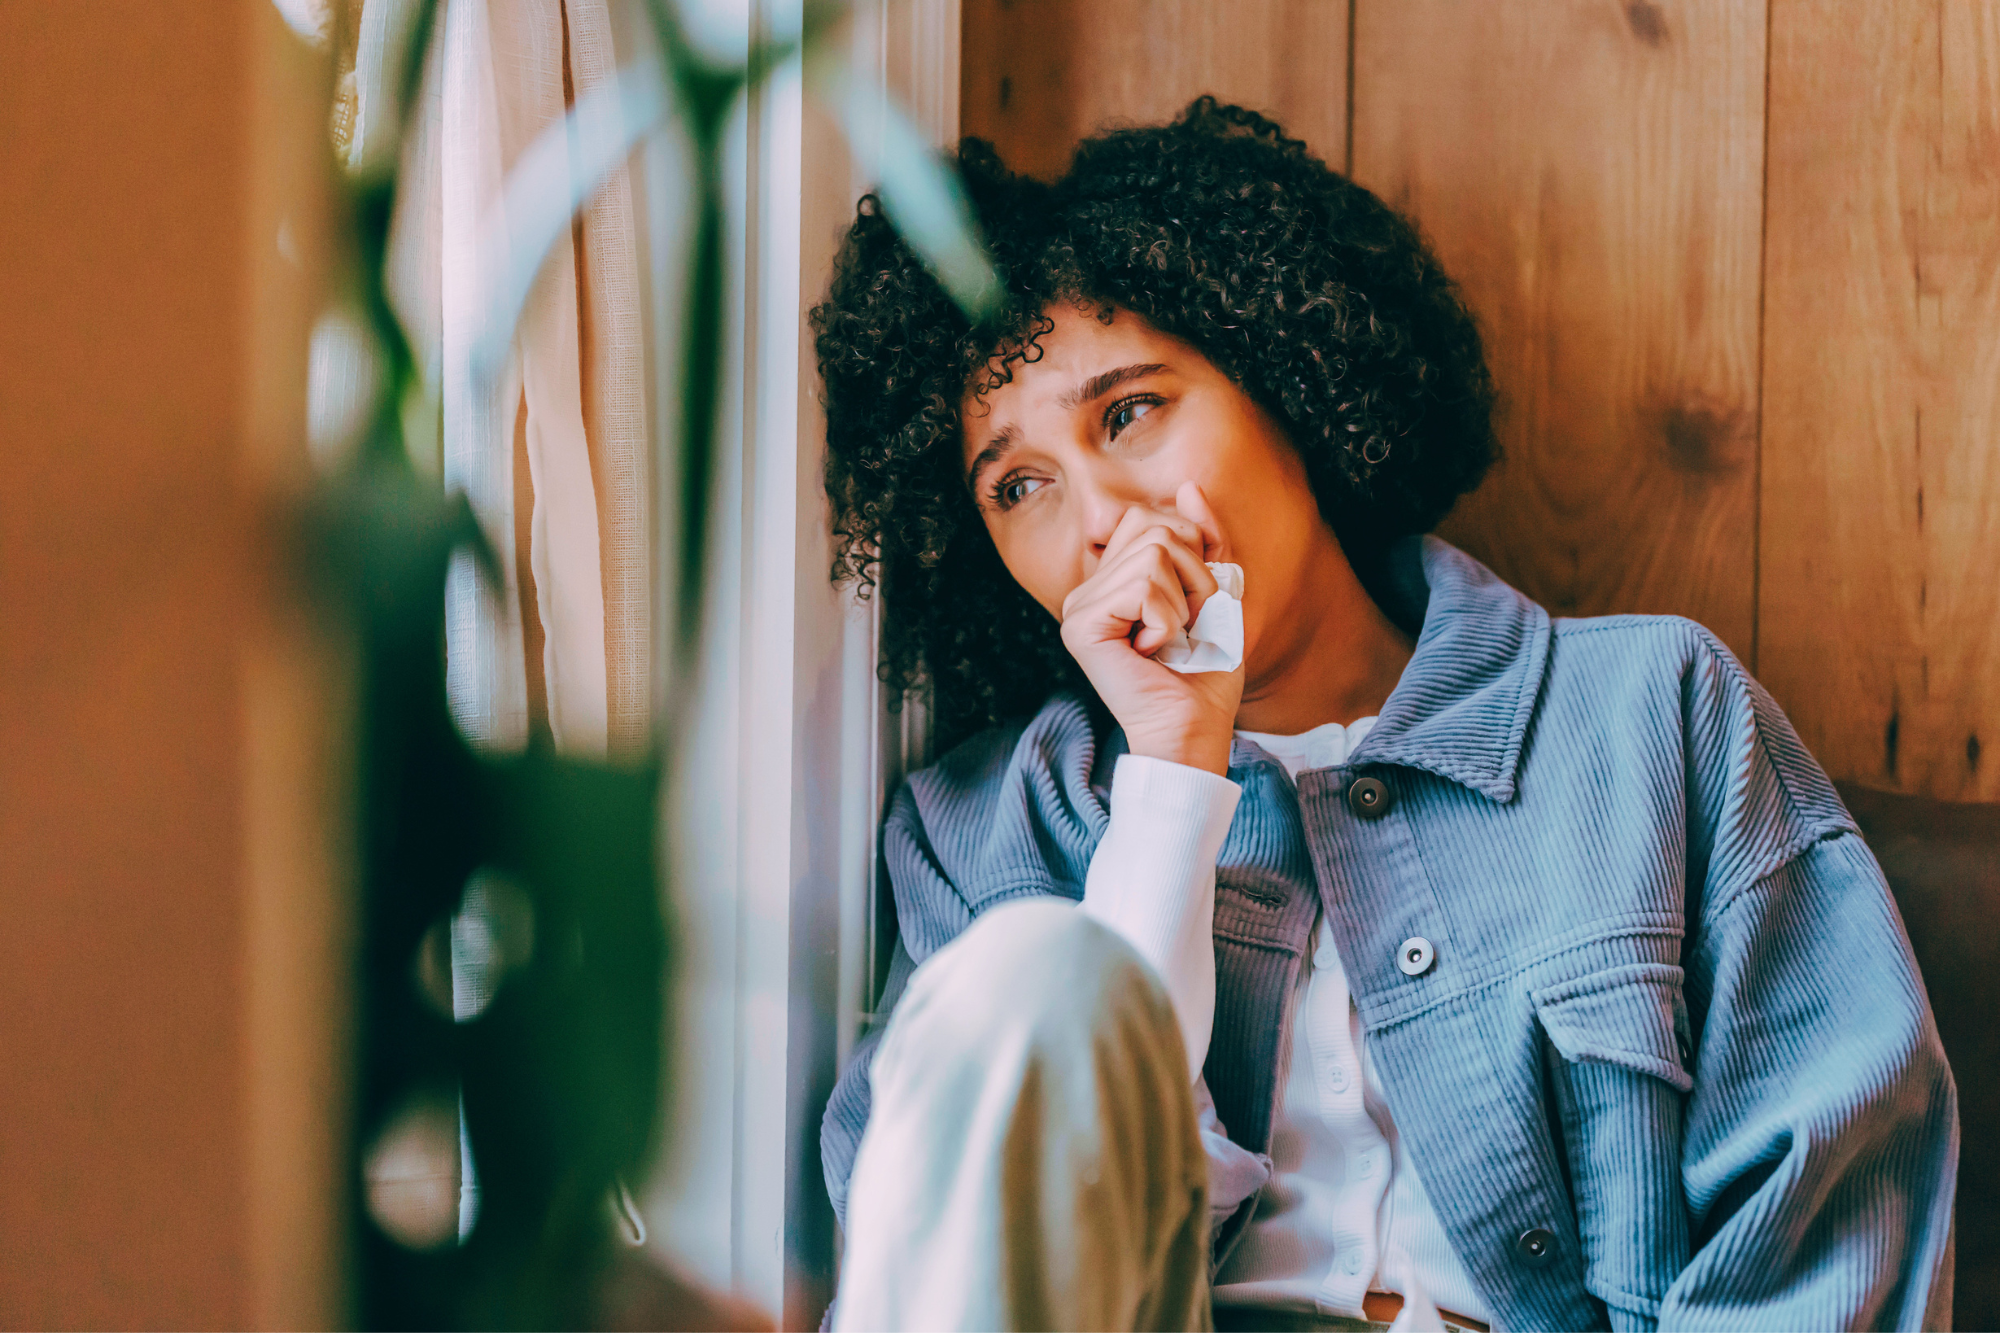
x,y
553,179
919,190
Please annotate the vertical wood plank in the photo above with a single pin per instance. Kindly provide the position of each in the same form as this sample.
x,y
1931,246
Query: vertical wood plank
x,y
1880,589
1038,75
1591,173
172,731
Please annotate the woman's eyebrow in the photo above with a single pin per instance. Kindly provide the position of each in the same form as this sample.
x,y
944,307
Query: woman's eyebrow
x,y
991,454
1093,388
1099,385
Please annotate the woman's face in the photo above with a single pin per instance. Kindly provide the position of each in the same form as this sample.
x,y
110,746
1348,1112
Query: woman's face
x,y
1119,414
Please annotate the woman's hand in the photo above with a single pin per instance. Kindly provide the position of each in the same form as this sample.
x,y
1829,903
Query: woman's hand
x,y
1149,584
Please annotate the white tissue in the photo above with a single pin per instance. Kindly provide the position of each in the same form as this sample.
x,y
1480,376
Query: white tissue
x,y
1215,641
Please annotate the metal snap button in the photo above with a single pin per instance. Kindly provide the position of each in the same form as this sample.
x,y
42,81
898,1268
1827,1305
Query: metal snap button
x,y
1536,1247
1369,798
1415,956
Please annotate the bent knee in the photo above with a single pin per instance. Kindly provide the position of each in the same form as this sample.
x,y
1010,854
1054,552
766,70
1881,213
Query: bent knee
x,y
1034,966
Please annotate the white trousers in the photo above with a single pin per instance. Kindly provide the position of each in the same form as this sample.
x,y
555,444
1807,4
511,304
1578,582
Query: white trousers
x,y
1031,1159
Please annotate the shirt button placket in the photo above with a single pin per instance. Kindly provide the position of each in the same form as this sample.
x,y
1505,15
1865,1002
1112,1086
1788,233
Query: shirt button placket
x,y
1371,798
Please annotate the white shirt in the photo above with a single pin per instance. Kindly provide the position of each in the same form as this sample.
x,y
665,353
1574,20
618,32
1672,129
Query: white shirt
x,y
1343,1212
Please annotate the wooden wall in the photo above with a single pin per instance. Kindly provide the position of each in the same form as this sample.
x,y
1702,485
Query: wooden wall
x,y
173,966
1738,264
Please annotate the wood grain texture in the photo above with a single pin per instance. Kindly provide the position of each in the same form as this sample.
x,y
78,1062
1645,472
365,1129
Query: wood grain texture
x,y
1590,172
1773,406
1880,597
1037,75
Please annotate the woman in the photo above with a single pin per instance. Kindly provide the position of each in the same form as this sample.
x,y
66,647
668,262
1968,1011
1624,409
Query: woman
x,y
1438,962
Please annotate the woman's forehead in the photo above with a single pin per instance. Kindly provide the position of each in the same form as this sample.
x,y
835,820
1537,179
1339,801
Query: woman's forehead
x,y
1079,346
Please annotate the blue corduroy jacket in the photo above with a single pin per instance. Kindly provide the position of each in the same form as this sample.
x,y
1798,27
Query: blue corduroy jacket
x,y
1670,1063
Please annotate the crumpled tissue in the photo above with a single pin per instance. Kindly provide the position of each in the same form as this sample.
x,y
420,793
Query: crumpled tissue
x,y
1215,641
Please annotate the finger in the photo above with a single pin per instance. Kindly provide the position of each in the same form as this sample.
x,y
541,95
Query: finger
x,y
1142,594
1143,598
1193,506
1163,614
1164,544
1139,520
1135,520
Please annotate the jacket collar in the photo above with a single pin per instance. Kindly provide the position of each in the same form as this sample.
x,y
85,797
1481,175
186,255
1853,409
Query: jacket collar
x,y
1462,707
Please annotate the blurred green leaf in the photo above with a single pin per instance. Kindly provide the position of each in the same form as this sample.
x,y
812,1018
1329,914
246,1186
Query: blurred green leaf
x,y
920,192
554,178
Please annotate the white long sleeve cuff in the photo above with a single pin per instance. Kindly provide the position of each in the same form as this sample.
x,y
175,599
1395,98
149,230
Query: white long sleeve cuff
x,y
1152,879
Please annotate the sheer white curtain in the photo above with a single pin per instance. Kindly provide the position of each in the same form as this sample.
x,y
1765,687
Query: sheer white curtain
x,y
786,753
551,451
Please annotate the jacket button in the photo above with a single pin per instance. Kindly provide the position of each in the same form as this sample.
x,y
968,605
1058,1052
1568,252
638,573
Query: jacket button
x,y
1368,798
1536,1247
1415,956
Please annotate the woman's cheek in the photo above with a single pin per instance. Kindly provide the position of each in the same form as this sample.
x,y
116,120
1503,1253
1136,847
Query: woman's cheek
x,y
1201,458
1040,571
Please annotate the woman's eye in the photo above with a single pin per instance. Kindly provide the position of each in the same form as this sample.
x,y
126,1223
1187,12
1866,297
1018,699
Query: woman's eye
x,y
1127,413
1012,490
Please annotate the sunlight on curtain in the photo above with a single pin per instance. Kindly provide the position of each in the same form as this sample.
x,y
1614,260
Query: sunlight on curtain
x,y
552,450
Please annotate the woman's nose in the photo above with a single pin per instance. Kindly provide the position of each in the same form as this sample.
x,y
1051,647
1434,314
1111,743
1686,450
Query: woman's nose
x,y
1104,497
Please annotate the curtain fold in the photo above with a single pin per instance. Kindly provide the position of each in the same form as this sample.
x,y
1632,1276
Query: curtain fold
x,y
614,403
486,670
500,73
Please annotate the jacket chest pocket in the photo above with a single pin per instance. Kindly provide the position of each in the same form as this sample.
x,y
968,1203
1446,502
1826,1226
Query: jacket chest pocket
x,y
1618,1053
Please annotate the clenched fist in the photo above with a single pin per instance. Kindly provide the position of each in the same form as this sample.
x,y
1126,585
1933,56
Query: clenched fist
x,y
1150,583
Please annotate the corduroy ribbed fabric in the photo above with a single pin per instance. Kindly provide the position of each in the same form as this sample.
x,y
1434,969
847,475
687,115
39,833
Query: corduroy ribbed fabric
x,y
1671,1063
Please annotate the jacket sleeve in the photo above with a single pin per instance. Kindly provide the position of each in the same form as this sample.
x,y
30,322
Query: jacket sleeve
x,y
1820,1143
929,914
846,1117
1822,1131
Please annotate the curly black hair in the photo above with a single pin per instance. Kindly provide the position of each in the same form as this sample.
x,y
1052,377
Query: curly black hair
x,y
1316,298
